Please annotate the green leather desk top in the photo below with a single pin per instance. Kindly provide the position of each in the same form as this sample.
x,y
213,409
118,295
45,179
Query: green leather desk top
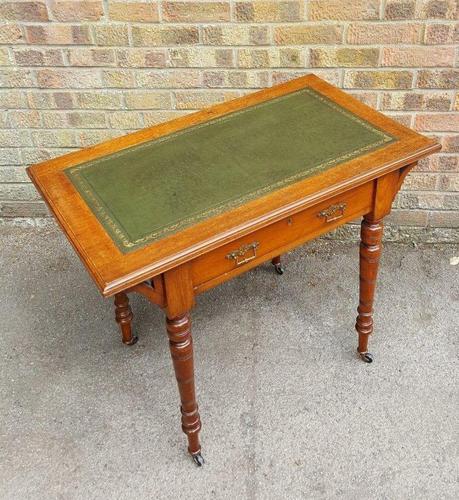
x,y
149,191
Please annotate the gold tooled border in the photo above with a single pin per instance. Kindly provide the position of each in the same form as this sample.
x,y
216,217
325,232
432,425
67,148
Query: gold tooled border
x,y
119,233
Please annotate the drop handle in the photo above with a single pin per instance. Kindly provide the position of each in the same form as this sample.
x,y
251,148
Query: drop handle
x,y
333,212
244,254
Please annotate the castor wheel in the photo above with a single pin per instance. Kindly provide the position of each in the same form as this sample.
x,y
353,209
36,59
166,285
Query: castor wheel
x,y
279,269
366,356
198,460
132,341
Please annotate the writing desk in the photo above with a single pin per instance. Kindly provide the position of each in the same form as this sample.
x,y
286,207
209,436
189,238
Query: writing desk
x,y
176,209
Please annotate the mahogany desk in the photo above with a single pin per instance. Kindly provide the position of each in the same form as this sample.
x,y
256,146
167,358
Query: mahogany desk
x,y
178,208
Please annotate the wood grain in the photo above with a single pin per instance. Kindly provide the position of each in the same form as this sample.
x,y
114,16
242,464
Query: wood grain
x,y
181,348
180,299
114,272
172,271
370,253
123,316
214,267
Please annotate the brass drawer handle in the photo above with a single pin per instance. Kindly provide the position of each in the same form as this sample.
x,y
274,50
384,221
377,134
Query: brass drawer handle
x,y
238,255
333,212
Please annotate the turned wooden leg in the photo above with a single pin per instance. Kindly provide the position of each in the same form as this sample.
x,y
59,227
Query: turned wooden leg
x,y
370,252
181,347
276,262
123,315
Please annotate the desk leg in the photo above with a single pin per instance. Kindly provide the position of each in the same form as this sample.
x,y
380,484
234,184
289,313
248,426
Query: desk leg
x,y
181,347
123,315
370,252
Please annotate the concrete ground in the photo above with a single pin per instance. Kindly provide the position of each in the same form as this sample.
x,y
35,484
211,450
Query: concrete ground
x,y
288,410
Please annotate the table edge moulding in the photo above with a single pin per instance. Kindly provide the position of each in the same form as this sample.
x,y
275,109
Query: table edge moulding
x,y
112,271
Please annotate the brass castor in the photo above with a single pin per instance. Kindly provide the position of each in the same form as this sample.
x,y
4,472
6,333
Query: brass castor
x,y
366,356
132,341
278,268
198,460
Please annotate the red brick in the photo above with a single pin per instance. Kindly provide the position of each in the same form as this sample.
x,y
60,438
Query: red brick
x,y
38,57
441,122
200,57
405,119
10,33
164,35
399,217
51,78
269,57
267,11
418,56
203,98
77,10
86,138
16,192
23,11
111,35
25,119
63,100
376,79
10,157
176,78
368,98
20,77
444,218
399,9
235,35
438,78
437,9
64,34
12,99
141,58
420,182
98,100
300,34
118,78
150,99
439,163
195,12
451,202
138,12
154,117
448,182
16,209
13,174
416,101
331,75
91,57
383,33
235,79
450,144
343,9
40,100
14,138
351,57
441,34
128,120
86,119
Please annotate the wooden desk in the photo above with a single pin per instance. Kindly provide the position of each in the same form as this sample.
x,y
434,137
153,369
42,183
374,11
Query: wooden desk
x,y
178,208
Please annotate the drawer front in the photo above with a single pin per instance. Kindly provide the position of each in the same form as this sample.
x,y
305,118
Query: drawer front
x,y
283,235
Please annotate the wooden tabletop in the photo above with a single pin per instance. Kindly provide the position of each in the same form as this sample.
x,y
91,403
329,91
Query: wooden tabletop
x,y
138,205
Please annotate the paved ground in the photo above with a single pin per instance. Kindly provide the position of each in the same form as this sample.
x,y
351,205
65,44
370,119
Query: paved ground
x,y
288,410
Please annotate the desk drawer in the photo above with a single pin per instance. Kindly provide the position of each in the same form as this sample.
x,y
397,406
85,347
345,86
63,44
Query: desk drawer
x,y
263,244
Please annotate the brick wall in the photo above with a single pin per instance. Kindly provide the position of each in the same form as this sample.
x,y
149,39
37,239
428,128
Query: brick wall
x,y
74,73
